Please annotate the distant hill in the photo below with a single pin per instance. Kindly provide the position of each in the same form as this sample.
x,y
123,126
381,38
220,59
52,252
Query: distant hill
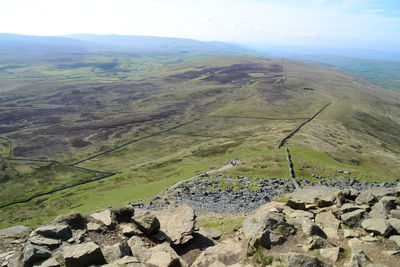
x,y
13,46
160,44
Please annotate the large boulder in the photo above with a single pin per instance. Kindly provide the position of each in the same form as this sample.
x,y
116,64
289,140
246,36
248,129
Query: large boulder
x,y
319,195
383,207
378,226
116,251
331,254
129,229
357,258
297,216
353,218
381,192
268,229
47,242
32,254
395,223
366,198
163,255
138,248
311,229
123,213
226,253
348,207
62,232
317,242
83,255
75,220
178,223
210,233
146,222
300,260
103,216
329,223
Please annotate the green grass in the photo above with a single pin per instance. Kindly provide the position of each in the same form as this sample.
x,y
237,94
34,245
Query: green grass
x,y
227,225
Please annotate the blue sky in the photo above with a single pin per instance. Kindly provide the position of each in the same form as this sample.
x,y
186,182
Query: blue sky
x,y
342,23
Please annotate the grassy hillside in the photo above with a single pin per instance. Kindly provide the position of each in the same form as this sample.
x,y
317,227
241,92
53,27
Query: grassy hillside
x,y
381,72
157,120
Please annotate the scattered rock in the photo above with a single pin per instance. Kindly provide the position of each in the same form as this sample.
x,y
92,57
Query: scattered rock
x,y
268,229
163,255
317,242
353,218
395,213
138,248
103,216
367,198
75,220
123,213
52,262
395,223
369,239
311,229
381,191
348,233
127,261
355,243
42,241
83,255
331,254
227,254
329,223
320,195
348,207
32,254
210,232
395,238
357,258
146,222
296,204
62,232
178,223
129,229
382,208
92,226
116,251
378,226
297,216
300,260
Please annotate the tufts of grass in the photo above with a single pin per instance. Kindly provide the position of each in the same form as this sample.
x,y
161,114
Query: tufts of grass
x,y
226,225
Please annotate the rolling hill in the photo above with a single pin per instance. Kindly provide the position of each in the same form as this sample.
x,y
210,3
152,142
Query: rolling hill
x,y
148,120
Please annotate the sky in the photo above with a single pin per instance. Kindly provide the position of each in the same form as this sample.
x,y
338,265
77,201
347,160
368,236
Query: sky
x,y
341,23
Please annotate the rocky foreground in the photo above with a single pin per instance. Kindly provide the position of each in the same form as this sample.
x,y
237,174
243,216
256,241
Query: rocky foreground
x,y
232,194
315,226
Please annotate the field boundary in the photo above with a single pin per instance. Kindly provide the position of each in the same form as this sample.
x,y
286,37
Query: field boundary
x,y
282,142
109,174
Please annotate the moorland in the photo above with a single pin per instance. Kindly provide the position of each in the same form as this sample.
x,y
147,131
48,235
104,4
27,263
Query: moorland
x,y
144,119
